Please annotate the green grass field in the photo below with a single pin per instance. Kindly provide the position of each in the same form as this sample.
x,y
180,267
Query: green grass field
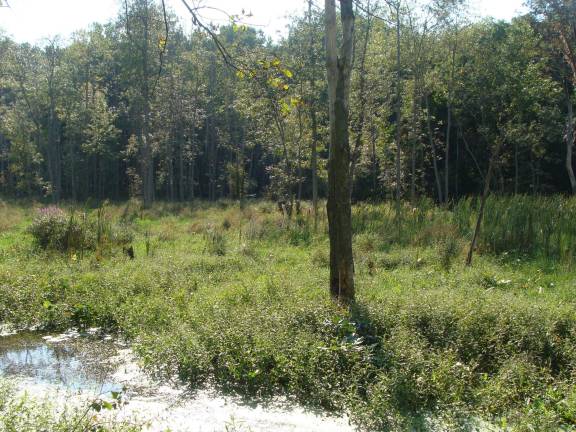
x,y
239,298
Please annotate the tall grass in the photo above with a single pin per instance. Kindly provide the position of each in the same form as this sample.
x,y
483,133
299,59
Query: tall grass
x,y
537,227
527,225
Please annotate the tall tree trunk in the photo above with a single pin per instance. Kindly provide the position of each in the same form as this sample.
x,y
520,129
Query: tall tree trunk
x,y
147,163
181,173
314,166
449,128
516,168
359,123
312,105
299,162
570,144
416,102
339,67
374,162
398,113
53,144
433,148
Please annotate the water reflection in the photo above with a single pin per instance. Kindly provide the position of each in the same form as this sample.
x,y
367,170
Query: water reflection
x,y
75,363
87,366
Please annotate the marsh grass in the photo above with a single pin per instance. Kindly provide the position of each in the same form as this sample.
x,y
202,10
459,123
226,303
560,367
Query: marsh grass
x,y
427,336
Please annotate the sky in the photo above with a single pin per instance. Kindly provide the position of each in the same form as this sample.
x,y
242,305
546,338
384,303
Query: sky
x,y
35,20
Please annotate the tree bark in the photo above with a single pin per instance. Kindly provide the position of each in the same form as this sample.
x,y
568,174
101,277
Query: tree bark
x,y
339,67
312,107
570,144
359,124
433,148
449,128
147,164
398,113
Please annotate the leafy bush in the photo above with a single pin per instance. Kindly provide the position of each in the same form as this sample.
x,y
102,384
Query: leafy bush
x,y
53,229
448,250
215,242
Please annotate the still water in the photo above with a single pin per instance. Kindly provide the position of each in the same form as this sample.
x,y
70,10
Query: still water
x,y
72,369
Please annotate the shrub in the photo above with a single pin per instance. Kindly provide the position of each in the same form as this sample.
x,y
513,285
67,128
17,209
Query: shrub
x,y
53,229
215,242
449,250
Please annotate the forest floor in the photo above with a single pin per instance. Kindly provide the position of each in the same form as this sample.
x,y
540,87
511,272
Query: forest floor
x,y
239,298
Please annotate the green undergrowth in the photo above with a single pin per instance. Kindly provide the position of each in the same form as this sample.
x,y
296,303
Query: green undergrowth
x,y
20,412
238,298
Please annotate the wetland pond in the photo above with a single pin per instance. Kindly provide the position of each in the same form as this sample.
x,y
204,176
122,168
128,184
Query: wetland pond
x,y
73,369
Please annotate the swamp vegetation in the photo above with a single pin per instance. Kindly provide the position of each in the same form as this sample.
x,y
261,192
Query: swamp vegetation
x,y
236,297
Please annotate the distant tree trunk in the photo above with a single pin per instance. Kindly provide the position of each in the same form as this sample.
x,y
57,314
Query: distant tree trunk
x,y
53,143
433,148
211,146
457,171
191,174
147,164
416,102
181,173
516,168
449,128
339,68
314,143
485,193
314,166
359,123
299,162
570,144
374,162
398,112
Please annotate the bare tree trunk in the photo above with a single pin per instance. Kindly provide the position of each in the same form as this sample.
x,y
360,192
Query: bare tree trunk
x,y
516,168
147,164
449,129
181,174
314,149
570,144
398,113
359,124
299,162
416,102
374,161
433,147
483,202
53,145
339,67
314,166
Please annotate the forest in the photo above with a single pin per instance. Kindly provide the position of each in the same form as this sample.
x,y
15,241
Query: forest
x,y
127,109
366,224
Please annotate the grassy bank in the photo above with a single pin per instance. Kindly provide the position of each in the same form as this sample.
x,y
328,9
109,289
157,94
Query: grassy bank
x,y
239,297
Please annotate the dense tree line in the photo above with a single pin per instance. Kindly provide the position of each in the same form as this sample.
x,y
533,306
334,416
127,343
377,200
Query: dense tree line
x,y
139,108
